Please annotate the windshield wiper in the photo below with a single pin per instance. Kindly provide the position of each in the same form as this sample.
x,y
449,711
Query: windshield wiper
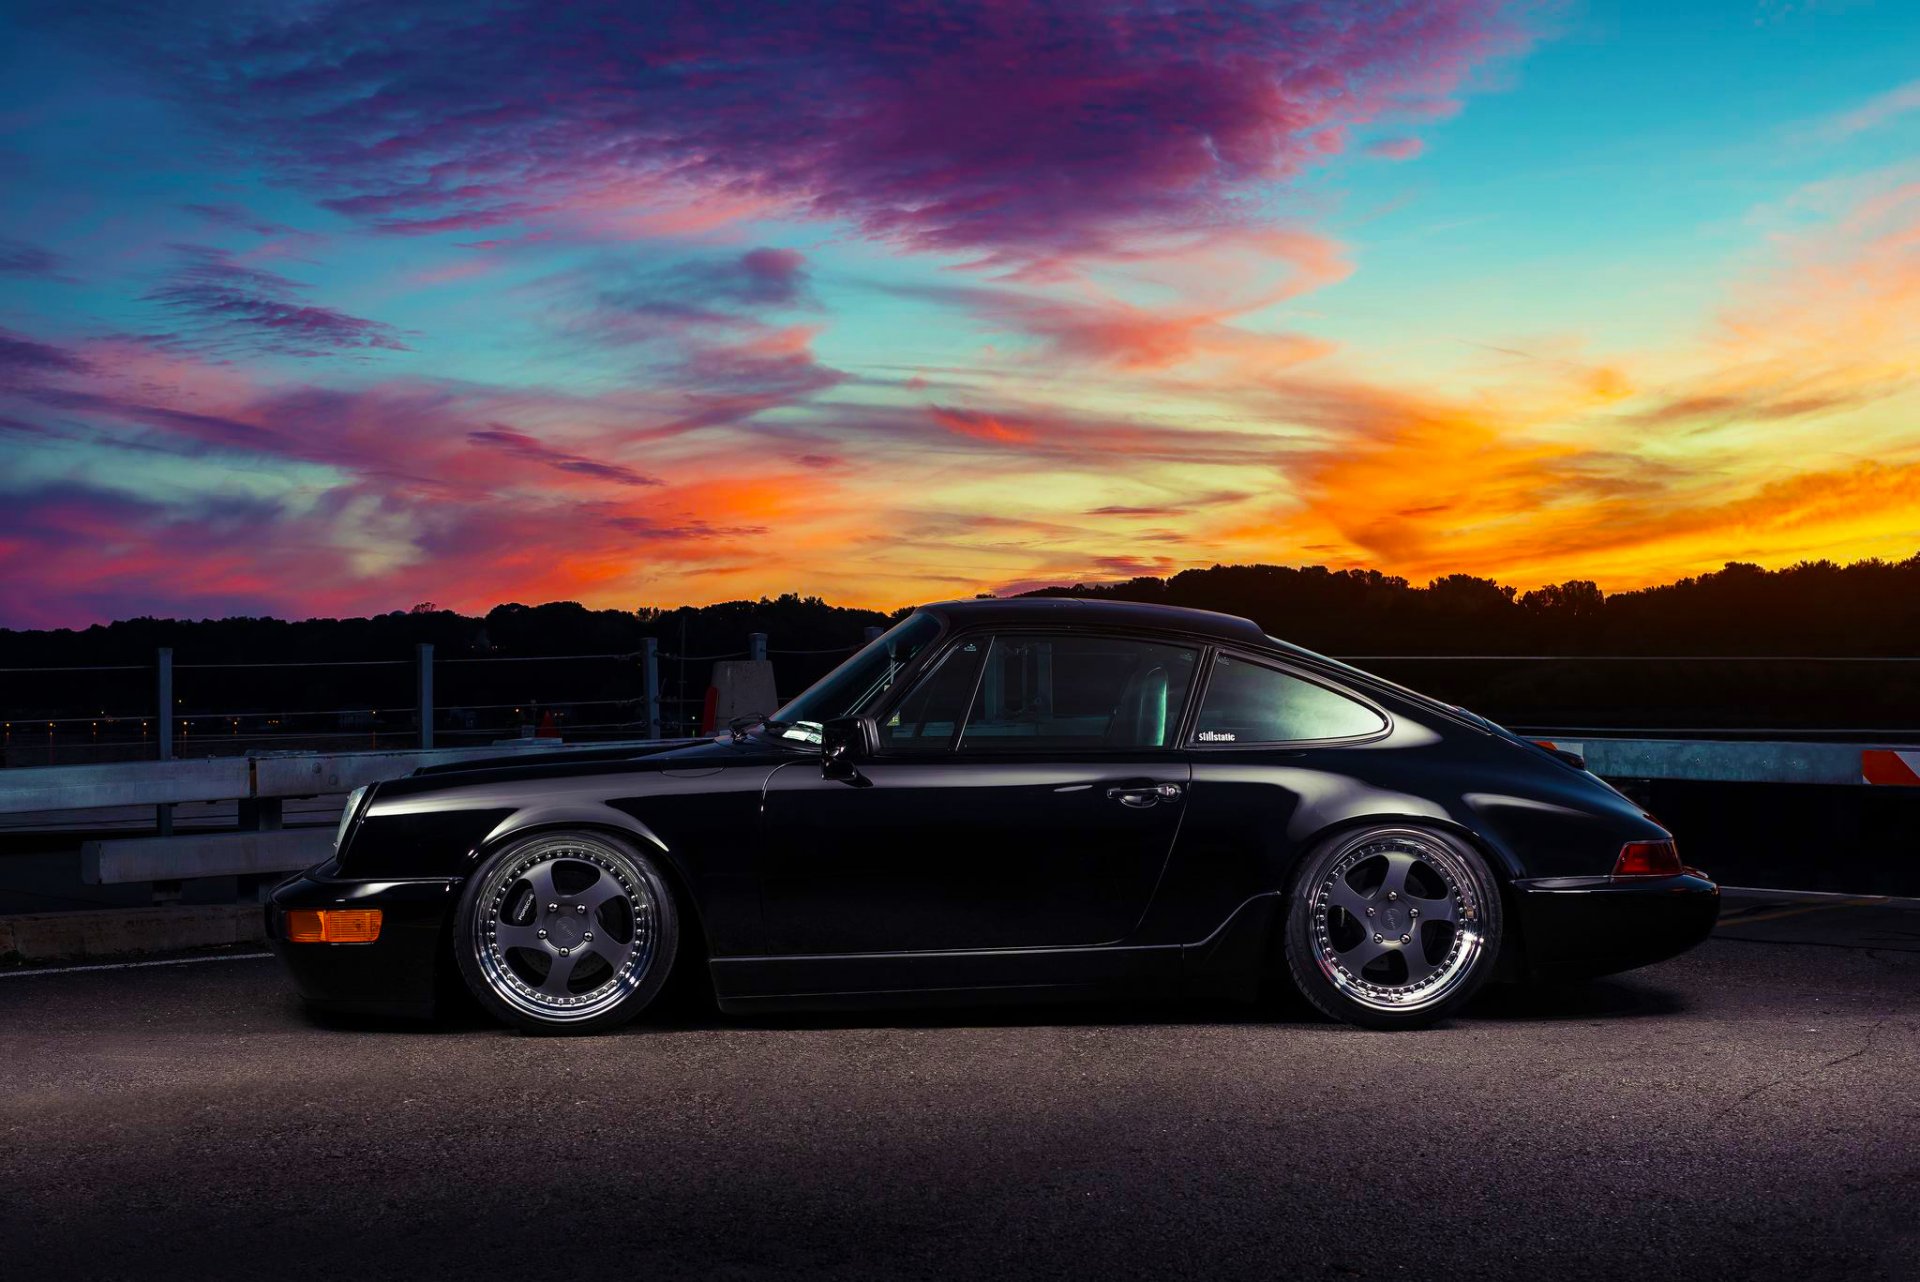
x,y
739,726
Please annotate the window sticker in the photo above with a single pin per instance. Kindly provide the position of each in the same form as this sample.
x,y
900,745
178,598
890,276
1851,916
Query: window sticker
x,y
1217,736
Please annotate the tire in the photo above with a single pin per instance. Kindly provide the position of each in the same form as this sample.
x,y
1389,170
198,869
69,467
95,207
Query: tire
x,y
566,932
1392,927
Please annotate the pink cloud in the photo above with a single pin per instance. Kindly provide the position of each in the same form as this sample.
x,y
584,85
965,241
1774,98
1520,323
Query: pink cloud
x,y
1396,148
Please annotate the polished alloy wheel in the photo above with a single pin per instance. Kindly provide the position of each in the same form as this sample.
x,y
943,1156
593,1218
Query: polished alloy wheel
x,y
565,929
1397,922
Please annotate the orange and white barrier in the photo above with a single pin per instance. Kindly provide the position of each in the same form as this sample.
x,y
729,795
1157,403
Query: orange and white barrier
x,y
1890,766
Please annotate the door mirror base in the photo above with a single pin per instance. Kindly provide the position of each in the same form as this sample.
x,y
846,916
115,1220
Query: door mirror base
x,y
845,742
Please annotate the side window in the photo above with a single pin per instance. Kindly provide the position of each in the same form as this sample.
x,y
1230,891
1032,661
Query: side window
x,y
929,716
1248,703
1050,692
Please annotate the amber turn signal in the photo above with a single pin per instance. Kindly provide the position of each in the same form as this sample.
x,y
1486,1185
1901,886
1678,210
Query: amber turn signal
x,y
333,925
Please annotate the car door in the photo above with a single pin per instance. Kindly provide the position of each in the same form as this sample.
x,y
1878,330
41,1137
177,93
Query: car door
x,y
1026,794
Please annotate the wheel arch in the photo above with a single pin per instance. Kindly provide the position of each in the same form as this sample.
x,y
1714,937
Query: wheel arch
x,y
1502,864
1505,867
695,946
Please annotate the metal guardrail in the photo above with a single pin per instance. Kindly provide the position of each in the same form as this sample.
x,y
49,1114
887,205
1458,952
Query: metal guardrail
x,y
133,783
185,857
252,777
259,783
1740,761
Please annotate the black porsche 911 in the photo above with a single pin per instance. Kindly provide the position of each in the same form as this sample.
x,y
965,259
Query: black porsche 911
x,y
1028,799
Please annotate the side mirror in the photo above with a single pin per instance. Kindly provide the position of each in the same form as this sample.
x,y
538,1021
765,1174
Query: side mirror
x,y
844,743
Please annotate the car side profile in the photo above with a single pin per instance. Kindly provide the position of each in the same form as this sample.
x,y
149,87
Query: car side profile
x,y
1040,798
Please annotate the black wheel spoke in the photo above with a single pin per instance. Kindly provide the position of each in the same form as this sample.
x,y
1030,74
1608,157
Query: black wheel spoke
x,y
519,937
1364,953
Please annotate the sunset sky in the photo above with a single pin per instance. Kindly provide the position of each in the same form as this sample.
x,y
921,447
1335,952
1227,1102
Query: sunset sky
x,y
323,308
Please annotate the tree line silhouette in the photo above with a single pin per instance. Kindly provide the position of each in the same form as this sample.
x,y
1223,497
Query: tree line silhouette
x,y
1732,637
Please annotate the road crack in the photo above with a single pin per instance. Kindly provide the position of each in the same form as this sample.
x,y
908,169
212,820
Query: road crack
x,y
1866,1044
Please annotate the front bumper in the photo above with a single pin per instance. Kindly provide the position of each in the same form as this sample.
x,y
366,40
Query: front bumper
x,y
398,973
1572,927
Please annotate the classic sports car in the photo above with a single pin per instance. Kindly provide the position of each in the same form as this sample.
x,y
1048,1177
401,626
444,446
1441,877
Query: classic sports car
x,y
1035,798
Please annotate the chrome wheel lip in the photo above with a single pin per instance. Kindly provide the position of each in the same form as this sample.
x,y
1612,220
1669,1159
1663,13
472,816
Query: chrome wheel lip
x,y
638,887
1469,937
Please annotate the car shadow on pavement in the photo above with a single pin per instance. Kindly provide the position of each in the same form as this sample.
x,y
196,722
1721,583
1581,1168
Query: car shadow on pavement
x,y
1505,1003
1614,998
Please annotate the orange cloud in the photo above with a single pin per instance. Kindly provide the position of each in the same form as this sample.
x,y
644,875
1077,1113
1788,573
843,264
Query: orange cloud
x,y
982,427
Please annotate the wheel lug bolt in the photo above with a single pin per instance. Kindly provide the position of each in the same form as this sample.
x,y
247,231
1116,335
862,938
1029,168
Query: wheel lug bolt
x,y
563,952
1369,912
581,909
1405,938
1392,895
553,908
588,937
1413,912
541,933
1376,939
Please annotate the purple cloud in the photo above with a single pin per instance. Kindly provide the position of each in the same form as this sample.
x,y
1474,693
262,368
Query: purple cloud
x,y
227,307
1020,129
666,302
534,450
18,258
241,219
22,360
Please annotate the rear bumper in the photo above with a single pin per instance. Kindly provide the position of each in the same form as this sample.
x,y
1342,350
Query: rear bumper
x,y
1582,926
396,974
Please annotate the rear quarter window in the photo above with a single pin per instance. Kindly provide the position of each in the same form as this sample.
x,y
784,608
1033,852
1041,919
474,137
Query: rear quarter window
x,y
1249,702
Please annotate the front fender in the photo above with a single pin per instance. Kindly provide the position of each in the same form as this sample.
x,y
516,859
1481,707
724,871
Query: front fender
x,y
547,817
700,827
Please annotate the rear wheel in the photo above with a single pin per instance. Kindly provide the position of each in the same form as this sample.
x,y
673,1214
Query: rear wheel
x,y
566,932
1392,927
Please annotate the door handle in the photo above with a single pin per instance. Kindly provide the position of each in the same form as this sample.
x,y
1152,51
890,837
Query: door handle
x,y
1143,797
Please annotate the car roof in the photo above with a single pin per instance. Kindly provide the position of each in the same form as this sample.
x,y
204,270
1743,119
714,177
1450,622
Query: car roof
x,y
1085,612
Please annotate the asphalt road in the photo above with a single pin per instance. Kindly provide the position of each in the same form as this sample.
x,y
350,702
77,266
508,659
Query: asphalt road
x,y
1751,1110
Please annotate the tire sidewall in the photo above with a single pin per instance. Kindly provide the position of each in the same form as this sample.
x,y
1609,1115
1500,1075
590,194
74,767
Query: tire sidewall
x,y
666,945
1301,955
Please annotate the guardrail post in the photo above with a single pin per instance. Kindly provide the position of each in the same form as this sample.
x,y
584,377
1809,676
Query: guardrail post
x,y
871,634
757,646
650,667
423,654
163,692
261,814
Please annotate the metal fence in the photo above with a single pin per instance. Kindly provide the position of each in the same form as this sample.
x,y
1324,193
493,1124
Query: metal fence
x,y
170,709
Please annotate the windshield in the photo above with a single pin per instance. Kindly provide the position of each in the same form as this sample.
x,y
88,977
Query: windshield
x,y
856,684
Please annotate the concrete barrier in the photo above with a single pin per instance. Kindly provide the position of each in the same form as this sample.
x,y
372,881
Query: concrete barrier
x,y
741,687
97,934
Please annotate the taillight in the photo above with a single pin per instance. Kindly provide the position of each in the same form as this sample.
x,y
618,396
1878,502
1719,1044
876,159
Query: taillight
x,y
1648,859
333,925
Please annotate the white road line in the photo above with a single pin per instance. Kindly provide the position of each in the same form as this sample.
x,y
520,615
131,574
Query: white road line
x,y
1891,900
140,965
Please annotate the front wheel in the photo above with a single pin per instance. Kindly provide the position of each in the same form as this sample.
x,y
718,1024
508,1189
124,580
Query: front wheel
x,y
1392,927
566,932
